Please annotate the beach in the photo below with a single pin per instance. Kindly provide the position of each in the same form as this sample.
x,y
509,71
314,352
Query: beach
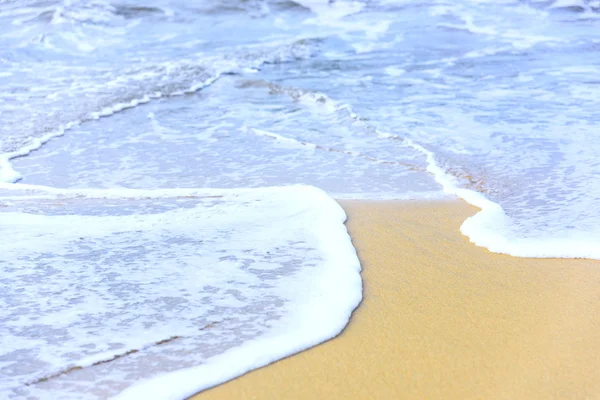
x,y
171,175
443,318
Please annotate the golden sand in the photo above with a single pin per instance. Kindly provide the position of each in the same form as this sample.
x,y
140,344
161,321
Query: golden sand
x,y
444,319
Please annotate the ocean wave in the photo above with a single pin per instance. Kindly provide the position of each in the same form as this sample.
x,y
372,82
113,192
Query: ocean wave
x,y
196,276
140,85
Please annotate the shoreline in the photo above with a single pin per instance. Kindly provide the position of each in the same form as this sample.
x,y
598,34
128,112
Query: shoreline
x,y
443,318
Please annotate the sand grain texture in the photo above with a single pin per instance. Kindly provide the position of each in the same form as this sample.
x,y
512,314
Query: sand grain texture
x,y
444,319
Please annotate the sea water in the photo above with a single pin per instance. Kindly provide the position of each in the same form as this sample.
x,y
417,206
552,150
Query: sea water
x,y
101,289
147,150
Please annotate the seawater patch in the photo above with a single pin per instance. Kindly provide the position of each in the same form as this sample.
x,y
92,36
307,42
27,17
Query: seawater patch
x,y
105,288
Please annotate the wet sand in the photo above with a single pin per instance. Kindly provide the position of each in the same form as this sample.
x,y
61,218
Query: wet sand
x,y
444,319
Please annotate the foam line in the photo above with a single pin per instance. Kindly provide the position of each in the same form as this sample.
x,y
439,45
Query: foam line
x,y
220,67
488,228
9,175
317,323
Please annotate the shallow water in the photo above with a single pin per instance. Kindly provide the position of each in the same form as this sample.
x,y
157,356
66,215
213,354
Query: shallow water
x,y
103,289
503,93
493,101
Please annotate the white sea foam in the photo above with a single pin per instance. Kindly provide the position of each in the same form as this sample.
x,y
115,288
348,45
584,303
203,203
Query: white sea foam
x,y
491,227
175,282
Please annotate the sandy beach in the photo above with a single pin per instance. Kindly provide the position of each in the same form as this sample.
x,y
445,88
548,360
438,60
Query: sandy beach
x,y
444,319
